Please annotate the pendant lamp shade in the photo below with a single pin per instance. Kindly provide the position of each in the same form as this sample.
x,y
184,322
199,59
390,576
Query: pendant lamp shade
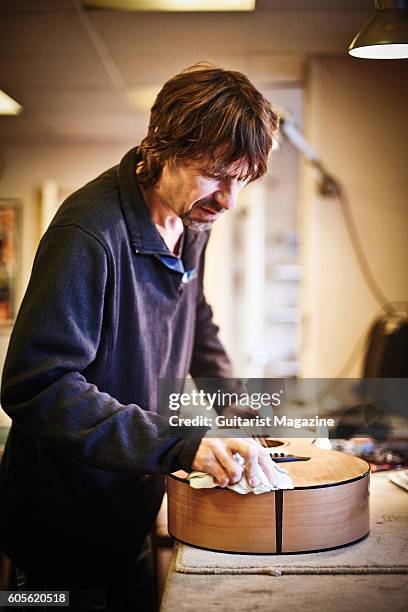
x,y
385,34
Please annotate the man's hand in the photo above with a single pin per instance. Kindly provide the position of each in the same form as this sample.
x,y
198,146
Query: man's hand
x,y
215,457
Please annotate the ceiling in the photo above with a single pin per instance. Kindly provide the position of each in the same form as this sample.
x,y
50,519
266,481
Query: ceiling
x,y
89,75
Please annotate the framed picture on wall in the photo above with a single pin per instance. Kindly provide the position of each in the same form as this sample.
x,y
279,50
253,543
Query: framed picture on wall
x,y
9,258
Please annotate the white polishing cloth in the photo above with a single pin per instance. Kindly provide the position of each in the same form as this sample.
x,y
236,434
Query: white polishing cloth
x,y
200,480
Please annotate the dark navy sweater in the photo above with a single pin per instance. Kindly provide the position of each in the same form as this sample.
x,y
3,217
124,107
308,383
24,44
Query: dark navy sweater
x,y
102,319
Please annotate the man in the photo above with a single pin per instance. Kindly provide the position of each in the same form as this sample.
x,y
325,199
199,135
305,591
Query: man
x,y
115,302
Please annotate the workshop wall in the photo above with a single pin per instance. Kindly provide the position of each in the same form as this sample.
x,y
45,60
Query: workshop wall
x,y
357,120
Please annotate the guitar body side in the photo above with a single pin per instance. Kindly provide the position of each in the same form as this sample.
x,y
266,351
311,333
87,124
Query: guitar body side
x,y
329,507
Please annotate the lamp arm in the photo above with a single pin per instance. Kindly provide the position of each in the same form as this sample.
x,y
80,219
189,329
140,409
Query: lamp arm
x,y
328,185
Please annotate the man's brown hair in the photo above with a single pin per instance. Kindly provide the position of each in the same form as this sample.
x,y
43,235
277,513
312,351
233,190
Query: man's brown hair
x,y
210,114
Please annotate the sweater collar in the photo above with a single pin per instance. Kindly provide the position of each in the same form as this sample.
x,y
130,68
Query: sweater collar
x,y
144,236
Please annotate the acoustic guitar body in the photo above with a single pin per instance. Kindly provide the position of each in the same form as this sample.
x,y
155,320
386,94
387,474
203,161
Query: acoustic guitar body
x,y
329,507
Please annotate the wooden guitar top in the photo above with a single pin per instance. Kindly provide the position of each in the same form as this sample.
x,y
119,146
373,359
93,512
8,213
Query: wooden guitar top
x,y
326,467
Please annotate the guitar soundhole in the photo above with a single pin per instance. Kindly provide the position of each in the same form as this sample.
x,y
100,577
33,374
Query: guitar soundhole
x,y
272,443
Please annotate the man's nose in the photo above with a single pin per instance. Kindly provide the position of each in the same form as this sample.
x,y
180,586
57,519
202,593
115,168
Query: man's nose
x,y
226,196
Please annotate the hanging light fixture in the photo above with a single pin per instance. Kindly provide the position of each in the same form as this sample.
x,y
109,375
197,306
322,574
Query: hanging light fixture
x,y
385,34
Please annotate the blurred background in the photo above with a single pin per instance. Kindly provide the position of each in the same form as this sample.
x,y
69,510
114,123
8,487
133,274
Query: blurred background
x,y
283,273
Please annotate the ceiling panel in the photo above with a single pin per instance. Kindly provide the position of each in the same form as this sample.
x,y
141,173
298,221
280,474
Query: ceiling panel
x,y
314,33
43,34
164,35
83,127
59,70
49,72
35,6
273,5
72,99
151,70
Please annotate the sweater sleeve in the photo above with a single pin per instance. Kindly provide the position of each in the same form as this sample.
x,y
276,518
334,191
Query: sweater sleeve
x,y
55,337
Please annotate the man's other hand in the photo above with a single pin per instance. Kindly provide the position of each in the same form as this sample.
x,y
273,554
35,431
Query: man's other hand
x,y
215,457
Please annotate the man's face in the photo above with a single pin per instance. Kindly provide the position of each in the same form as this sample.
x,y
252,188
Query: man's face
x,y
196,197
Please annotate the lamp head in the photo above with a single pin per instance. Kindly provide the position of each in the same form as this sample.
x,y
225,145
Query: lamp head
x,y
385,34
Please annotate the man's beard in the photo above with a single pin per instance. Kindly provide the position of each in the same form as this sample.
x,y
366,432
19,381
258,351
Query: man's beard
x,y
192,219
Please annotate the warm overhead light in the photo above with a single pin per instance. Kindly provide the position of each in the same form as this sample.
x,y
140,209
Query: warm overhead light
x,y
385,34
8,106
172,5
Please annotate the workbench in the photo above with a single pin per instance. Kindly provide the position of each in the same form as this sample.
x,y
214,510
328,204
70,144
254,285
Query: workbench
x,y
315,592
